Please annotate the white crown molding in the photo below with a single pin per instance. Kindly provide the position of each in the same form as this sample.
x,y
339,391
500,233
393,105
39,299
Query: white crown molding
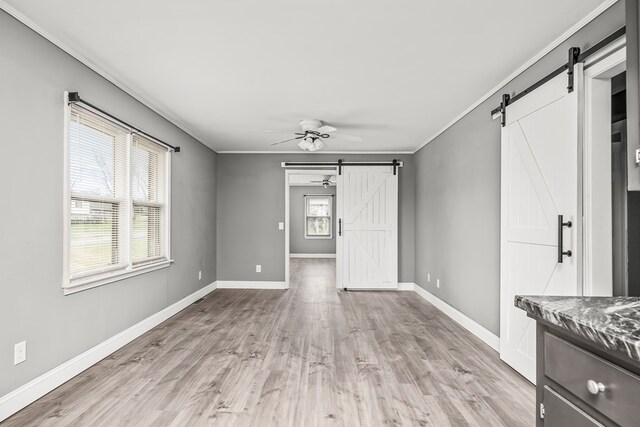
x,y
94,67
488,337
557,42
317,152
35,389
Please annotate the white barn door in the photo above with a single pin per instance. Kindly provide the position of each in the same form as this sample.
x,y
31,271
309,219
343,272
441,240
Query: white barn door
x,y
367,245
539,182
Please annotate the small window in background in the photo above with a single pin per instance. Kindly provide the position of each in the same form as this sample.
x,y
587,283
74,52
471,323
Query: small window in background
x,y
317,218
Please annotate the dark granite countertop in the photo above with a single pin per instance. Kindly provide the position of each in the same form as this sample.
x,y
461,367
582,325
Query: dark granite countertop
x,y
613,322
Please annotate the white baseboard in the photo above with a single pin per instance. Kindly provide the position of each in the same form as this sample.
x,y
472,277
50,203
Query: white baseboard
x,y
312,255
491,339
406,286
35,389
249,284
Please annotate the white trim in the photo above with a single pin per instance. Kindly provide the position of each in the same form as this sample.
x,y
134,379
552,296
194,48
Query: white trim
x,y
611,48
35,389
66,192
551,46
318,152
406,286
597,268
312,255
95,68
249,284
93,281
488,337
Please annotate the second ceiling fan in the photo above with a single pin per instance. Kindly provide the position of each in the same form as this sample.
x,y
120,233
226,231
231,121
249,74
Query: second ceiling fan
x,y
313,135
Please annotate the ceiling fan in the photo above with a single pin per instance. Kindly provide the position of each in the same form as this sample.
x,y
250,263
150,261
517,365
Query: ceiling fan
x,y
313,134
326,181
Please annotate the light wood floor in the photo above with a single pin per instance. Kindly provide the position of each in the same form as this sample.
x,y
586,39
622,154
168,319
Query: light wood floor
x,y
303,357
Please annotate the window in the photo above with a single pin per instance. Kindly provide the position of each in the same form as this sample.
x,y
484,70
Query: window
x,y
317,217
118,202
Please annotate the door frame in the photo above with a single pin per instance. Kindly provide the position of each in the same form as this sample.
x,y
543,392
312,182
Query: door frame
x,y
596,240
287,186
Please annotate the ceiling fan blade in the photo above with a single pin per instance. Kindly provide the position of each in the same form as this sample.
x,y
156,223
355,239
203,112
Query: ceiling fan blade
x,y
280,131
326,129
346,137
285,140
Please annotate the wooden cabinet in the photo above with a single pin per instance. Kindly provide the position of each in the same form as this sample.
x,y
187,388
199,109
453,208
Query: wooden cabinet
x,y
580,383
560,412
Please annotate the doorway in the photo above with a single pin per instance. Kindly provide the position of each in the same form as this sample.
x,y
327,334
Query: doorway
x,y
604,189
365,224
310,208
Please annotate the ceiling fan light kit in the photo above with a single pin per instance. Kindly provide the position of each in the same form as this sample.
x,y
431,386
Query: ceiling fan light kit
x,y
311,144
313,133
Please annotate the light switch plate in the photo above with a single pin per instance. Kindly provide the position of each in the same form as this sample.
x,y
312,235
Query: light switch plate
x,y
638,155
281,226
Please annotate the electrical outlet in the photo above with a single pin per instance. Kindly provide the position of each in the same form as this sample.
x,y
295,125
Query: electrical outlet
x,y
19,352
428,277
281,226
200,275
438,282
258,268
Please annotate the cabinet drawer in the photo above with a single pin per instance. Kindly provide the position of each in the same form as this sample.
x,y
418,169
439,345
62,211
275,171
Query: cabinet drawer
x,y
573,367
559,412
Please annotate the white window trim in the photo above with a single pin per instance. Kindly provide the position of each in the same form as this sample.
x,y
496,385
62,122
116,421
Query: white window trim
x,y
330,236
71,286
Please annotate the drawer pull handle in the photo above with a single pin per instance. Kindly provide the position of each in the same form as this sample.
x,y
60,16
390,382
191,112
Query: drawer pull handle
x,y
594,387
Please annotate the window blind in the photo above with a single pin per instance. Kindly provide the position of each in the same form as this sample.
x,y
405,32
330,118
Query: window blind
x,y
147,190
98,187
118,199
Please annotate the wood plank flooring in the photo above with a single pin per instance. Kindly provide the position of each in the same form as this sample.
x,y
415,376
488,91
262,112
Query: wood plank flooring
x,y
309,356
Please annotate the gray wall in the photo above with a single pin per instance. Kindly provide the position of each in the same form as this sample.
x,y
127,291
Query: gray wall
x,y
458,194
33,76
297,243
251,203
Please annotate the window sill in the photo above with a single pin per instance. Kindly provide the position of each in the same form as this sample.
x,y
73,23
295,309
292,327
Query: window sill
x,y
85,283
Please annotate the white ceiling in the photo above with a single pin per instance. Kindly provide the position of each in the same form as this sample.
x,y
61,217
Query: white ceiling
x,y
395,73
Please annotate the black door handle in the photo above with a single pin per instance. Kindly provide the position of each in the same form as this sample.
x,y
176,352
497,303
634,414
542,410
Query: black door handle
x,y
561,251
340,227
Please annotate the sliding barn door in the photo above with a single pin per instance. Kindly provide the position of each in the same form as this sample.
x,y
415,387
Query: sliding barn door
x,y
539,183
367,245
